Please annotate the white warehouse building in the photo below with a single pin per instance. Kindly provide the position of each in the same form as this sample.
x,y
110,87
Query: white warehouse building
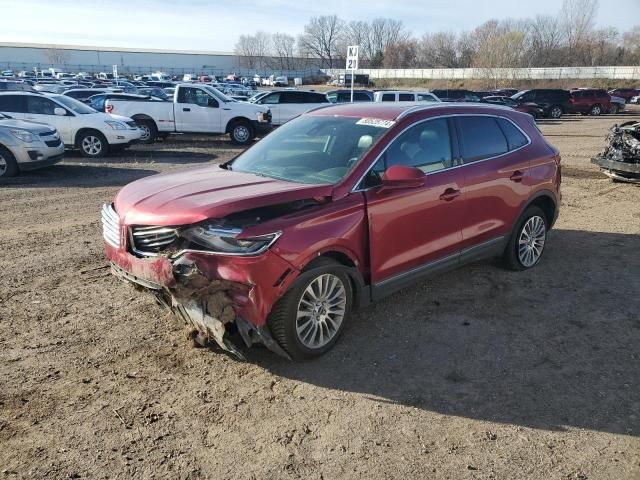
x,y
73,58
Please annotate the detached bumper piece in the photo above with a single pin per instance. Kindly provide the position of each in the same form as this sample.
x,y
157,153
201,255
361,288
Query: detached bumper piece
x,y
620,160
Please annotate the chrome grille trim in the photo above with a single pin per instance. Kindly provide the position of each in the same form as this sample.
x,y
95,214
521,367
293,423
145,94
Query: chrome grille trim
x,y
110,226
149,240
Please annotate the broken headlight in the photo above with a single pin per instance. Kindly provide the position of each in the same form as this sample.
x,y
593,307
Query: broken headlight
x,y
225,241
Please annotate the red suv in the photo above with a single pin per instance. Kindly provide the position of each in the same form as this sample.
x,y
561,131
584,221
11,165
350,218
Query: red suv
x,y
335,209
590,101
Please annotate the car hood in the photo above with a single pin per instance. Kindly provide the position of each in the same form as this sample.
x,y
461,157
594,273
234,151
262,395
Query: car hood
x,y
32,127
195,195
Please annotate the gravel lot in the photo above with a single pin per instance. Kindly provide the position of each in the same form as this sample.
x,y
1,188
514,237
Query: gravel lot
x,y
478,374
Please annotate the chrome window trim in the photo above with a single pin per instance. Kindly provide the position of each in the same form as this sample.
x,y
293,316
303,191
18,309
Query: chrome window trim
x,y
451,115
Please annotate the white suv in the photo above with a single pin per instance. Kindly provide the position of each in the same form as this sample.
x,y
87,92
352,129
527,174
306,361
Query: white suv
x,y
80,126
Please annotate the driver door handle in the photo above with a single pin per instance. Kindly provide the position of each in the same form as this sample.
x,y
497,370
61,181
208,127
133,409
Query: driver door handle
x,y
186,109
449,194
517,176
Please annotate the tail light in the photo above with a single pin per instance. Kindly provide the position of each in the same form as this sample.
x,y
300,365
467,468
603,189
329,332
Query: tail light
x,y
108,108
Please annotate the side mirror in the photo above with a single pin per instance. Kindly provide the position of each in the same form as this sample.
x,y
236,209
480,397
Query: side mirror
x,y
399,177
61,112
212,102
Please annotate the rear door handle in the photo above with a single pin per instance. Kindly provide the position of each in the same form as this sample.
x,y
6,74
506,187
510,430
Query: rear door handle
x,y
186,109
517,176
449,194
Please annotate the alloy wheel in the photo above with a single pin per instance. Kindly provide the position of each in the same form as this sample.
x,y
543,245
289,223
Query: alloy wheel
x,y
321,310
3,165
556,112
531,241
91,145
146,132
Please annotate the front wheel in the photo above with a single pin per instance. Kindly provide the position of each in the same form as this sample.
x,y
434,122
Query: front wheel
x,y
527,242
555,112
149,131
92,144
8,164
310,317
241,133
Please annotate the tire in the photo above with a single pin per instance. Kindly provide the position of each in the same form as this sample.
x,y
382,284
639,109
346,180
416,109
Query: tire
x,y
149,131
8,164
92,144
241,133
305,339
517,259
596,110
555,111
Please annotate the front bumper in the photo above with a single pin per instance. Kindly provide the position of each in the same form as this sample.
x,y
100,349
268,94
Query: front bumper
x,y
119,137
211,292
31,156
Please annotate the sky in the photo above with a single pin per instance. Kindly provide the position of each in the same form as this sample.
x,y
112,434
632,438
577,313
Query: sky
x,y
214,25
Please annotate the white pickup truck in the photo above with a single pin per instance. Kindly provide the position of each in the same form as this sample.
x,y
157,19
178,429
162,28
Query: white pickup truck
x,y
196,108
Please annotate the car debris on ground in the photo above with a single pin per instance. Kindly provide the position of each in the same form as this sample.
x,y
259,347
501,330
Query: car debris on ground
x,y
620,160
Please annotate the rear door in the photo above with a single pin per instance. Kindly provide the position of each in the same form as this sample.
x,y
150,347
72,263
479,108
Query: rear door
x,y
414,230
496,177
197,111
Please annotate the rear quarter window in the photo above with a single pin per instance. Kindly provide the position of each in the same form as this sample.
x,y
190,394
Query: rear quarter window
x,y
515,138
482,138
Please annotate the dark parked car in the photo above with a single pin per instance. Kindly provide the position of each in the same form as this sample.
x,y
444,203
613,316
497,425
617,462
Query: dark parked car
x,y
531,108
339,207
590,101
554,102
344,96
626,93
456,95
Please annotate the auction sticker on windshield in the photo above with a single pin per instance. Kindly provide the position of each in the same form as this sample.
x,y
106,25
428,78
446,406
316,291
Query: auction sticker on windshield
x,y
376,122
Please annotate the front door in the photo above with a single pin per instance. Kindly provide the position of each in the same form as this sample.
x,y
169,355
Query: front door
x,y
413,231
197,111
42,110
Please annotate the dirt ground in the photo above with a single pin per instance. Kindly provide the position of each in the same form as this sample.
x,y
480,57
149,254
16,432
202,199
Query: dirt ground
x,y
478,374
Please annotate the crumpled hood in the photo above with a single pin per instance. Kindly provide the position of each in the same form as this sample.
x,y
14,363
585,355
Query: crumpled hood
x,y
195,195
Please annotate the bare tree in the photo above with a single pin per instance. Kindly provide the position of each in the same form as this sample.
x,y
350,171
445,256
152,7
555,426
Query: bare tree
x,y
545,41
252,49
439,50
578,19
283,50
401,54
384,32
56,56
321,38
498,54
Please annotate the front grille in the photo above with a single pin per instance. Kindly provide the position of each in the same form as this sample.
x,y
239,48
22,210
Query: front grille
x,y
132,124
150,240
53,143
110,226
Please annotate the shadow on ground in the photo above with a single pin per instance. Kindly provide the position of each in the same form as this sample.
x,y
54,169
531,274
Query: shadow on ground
x,y
518,348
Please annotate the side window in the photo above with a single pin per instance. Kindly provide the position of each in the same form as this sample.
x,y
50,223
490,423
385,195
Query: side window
x,y
406,97
426,97
194,96
271,99
40,106
309,97
360,96
515,138
388,97
426,146
481,138
13,103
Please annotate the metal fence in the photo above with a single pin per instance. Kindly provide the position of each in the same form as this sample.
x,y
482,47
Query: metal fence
x,y
554,73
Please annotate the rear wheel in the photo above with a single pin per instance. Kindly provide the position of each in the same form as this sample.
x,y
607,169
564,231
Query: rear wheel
x,y
310,317
92,144
149,131
241,133
596,110
8,164
526,244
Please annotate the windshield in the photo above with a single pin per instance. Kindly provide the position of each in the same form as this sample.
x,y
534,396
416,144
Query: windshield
x,y
75,106
518,95
218,94
312,149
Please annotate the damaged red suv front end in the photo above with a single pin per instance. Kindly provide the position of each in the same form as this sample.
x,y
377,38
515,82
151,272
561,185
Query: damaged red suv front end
x,y
156,245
